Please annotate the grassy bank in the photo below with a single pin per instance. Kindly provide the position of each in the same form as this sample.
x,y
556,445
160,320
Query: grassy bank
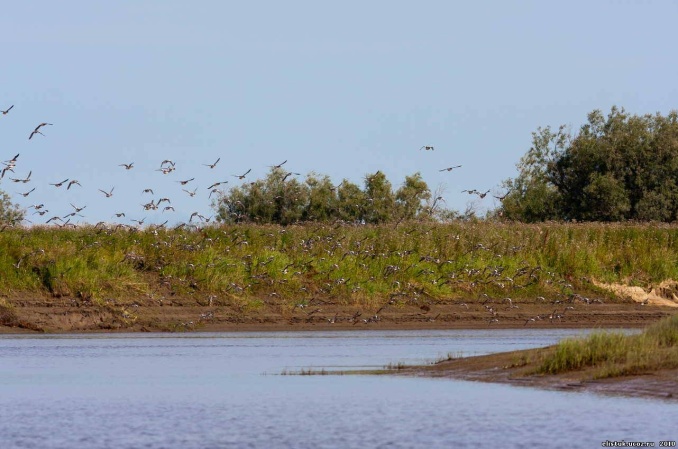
x,y
644,364
349,264
615,354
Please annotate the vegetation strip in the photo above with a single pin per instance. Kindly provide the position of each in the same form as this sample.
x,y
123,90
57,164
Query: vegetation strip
x,y
361,273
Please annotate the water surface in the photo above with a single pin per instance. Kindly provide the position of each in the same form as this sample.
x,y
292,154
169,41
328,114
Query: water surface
x,y
224,390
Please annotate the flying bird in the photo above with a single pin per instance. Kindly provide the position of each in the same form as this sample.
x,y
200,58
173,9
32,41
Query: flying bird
x,y
191,194
127,166
426,148
25,194
7,110
59,184
5,170
37,130
287,175
212,165
279,165
450,168
502,197
24,180
108,194
9,165
216,184
243,175
183,183
148,191
73,181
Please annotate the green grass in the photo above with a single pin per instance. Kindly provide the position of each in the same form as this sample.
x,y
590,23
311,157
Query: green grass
x,y
345,264
614,354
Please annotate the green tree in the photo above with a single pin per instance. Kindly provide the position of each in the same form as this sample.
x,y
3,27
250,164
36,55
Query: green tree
x,y
412,196
619,167
380,200
351,202
322,199
10,214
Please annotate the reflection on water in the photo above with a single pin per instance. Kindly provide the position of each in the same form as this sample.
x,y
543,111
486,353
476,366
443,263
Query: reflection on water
x,y
221,390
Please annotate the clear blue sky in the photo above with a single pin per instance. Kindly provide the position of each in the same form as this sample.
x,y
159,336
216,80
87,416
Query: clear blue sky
x,y
340,88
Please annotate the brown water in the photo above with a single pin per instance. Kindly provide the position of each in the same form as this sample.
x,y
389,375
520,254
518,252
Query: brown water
x,y
224,391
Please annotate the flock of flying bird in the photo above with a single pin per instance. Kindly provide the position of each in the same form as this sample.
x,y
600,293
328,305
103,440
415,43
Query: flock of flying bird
x,y
166,167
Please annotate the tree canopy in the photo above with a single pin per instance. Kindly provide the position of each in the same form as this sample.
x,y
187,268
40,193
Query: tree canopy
x,y
280,198
10,213
619,167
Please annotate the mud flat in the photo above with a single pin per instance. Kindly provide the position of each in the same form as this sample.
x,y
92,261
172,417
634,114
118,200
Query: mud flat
x,y
29,313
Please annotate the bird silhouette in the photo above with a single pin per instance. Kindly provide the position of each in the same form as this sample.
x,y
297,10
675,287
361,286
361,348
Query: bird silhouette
x,y
73,181
243,175
427,148
450,168
25,194
24,180
212,165
279,165
37,130
7,110
108,194
59,184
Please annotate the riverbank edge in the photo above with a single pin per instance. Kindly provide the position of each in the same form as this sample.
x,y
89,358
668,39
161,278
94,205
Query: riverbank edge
x,y
517,367
63,316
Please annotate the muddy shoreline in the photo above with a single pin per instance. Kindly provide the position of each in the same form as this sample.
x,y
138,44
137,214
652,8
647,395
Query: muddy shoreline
x,y
72,315
516,367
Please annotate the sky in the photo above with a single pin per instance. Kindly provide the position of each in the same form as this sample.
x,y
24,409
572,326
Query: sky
x,y
337,88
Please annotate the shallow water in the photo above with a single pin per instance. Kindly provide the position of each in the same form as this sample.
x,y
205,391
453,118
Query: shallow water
x,y
223,390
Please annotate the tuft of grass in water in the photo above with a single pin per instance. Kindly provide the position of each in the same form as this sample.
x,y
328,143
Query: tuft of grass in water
x,y
308,372
614,354
449,357
395,366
